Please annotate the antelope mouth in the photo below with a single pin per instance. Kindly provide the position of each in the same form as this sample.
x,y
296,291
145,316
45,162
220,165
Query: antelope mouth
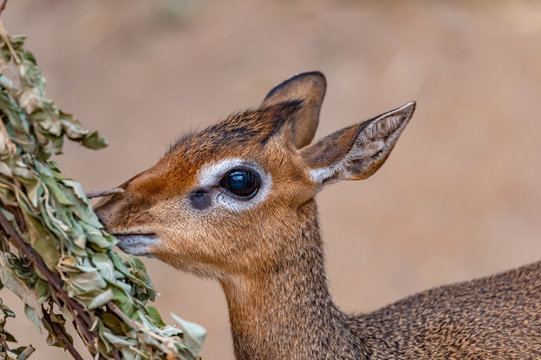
x,y
137,244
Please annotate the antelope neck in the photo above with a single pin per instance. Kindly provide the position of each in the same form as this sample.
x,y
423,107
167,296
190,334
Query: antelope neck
x,y
289,313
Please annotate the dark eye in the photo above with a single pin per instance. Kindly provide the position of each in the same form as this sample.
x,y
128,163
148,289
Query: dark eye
x,y
243,183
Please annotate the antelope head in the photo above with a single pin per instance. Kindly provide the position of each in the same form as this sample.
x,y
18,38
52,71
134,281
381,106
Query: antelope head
x,y
232,199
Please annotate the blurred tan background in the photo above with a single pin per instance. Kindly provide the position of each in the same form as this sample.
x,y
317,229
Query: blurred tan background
x,y
459,197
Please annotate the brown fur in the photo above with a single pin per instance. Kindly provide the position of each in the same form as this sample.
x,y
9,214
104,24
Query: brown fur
x,y
269,258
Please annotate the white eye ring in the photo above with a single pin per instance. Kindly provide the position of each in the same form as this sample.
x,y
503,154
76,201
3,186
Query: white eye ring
x,y
212,173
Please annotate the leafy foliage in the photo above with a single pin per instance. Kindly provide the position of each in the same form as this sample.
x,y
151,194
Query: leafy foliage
x,y
19,353
55,254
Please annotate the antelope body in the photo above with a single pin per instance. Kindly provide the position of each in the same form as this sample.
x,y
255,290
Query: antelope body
x,y
235,202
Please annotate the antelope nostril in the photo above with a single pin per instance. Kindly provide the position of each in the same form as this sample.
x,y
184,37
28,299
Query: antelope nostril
x,y
101,214
100,217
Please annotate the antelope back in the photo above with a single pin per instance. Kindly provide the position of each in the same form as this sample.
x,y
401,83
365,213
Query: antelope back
x,y
230,200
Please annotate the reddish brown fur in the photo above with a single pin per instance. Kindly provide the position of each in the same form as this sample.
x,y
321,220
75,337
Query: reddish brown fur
x,y
174,175
269,258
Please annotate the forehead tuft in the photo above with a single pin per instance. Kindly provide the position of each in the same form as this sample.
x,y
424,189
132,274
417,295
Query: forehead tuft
x,y
250,127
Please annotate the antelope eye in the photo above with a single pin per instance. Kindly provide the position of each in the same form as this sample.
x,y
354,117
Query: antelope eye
x,y
242,183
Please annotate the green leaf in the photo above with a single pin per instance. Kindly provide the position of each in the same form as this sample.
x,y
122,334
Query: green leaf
x,y
44,242
32,316
155,316
94,141
123,301
101,299
105,266
193,334
43,291
9,337
52,338
120,341
113,323
18,286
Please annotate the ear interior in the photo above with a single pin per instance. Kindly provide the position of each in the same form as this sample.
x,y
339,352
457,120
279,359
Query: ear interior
x,y
308,87
358,151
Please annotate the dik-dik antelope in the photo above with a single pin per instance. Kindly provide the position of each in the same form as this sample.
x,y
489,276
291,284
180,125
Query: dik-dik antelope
x,y
236,202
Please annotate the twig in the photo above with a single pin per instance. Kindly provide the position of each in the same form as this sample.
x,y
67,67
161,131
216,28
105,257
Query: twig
x,y
29,350
5,37
3,343
3,6
102,193
131,323
143,355
134,324
59,332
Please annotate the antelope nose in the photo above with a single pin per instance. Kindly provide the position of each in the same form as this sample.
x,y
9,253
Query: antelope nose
x,y
98,210
100,216
103,211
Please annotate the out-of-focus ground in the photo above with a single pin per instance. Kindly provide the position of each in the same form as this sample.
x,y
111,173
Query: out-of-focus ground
x,y
460,197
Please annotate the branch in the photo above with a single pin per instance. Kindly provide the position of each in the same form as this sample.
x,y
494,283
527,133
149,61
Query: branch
x,y
4,36
55,281
82,319
60,334
131,323
29,350
3,6
3,343
102,193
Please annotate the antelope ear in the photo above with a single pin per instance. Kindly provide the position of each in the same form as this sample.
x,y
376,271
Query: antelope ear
x,y
308,87
356,152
